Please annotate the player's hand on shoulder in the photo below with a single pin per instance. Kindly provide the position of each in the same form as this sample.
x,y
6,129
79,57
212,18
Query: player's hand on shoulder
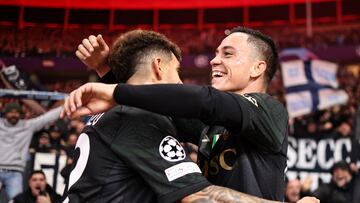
x,y
89,99
93,52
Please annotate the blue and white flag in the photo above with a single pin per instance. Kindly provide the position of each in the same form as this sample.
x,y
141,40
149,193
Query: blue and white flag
x,y
311,85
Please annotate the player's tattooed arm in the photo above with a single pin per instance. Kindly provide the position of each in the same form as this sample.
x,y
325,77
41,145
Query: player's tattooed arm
x,y
220,194
213,194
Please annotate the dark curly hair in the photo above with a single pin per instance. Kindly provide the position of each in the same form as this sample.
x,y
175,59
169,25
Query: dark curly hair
x,y
132,47
265,46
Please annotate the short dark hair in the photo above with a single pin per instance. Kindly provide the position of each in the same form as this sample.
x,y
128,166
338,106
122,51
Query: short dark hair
x,y
132,46
36,172
340,165
265,46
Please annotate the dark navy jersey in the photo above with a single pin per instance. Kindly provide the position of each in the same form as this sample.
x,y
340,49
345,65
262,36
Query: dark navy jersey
x,y
244,146
131,155
251,159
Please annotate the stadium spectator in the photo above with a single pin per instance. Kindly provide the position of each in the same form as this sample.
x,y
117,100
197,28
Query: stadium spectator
x,y
295,189
39,191
69,149
57,141
292,191
343,188
44,143
70,144
15,137
343,130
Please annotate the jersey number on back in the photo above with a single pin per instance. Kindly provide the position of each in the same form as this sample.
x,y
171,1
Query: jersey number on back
x,y
83,143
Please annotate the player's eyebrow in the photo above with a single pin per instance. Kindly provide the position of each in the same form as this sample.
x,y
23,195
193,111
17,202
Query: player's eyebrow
x,y
225,48
228,48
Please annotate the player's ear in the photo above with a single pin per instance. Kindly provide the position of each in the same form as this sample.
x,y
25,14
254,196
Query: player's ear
x,y
257,69
156,68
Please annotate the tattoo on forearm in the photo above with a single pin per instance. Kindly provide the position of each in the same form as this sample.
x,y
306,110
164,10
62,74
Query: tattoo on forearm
x,y
214,194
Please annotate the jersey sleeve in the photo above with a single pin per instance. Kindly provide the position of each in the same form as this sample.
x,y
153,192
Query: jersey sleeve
x,y
189,130
211,106
267,121
161,161
240,114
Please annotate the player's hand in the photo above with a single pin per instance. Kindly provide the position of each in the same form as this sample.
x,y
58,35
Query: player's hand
x,y
91,98
93,52
308,200
43,198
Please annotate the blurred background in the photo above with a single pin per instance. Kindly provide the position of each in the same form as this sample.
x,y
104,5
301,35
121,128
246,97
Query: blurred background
x,y
40,38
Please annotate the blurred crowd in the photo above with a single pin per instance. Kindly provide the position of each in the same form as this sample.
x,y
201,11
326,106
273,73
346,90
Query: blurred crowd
x,y
337,121
39,41
342,188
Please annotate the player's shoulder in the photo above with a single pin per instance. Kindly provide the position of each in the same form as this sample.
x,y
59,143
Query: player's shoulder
x,y
104,117
121,112
264,100
107,124
128,117
139,117
268,104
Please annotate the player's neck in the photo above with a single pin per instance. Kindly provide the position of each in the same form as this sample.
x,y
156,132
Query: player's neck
x,y
252,88
139,81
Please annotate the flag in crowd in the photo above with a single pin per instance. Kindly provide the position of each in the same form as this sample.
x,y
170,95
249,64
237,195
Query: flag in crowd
x,y
311,85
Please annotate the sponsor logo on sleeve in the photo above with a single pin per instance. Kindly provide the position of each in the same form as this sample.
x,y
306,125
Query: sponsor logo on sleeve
x,y
181,169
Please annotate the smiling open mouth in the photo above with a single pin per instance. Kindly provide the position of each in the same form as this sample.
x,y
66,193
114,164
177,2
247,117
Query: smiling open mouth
x,y
218,74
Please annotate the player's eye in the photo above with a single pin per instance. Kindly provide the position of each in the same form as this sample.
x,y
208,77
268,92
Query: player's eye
x,y
226,54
